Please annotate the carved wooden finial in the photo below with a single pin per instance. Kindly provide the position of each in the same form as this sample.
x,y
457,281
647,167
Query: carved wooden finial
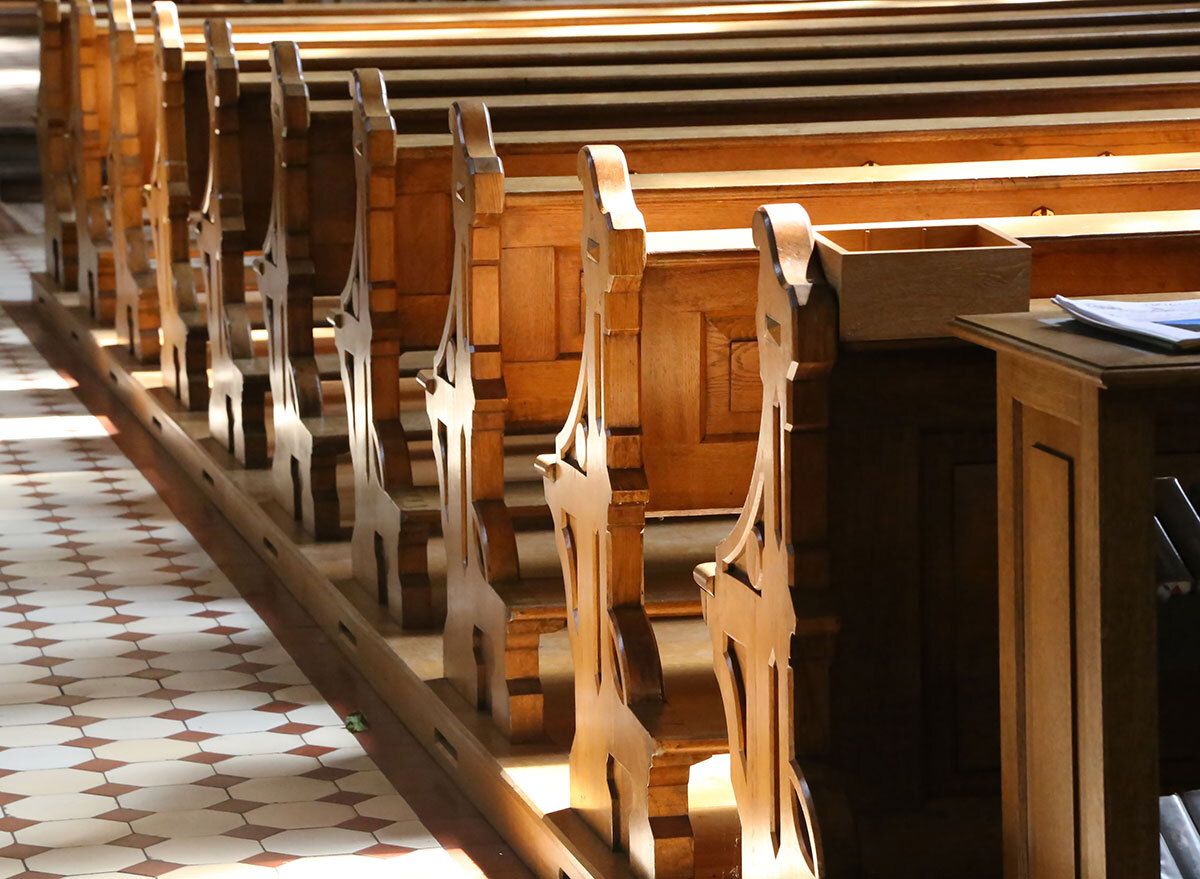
x,y
614,231
374,128
220,63
120,13
289,91
49,12
477,173
167,33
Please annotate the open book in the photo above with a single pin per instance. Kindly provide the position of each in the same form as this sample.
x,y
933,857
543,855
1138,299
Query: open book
x,y
1174,325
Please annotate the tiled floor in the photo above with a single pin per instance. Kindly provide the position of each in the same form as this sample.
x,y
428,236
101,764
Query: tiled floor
x,y
150,722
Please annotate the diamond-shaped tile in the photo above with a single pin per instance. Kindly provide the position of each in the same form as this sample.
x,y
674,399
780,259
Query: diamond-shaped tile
x,y
110,790
138,840
100,765
152,868
123,814
20,851
269,859
252,831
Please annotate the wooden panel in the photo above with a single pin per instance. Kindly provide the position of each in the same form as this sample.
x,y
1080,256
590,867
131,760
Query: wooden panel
x,y
958,594
423,227
1047,528
976,676
732,387
570,300
529,304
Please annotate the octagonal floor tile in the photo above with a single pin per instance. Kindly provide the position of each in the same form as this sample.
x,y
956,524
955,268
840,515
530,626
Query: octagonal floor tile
x,y
186,823
155,773
267,765
172,797
134,728
252,743
141,750
282,790
319,841
297,816
42,757
72,831
80,860
204,850
50,781
55,807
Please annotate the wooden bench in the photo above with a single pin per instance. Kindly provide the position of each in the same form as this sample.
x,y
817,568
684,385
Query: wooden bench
x,y
380,26
913,403
642,722
229,188
250,192
100,274
369,566
238,411
240,375
181,360
538,294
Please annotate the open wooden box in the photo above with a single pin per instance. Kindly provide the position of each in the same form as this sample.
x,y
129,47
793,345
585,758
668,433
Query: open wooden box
x,y
906,281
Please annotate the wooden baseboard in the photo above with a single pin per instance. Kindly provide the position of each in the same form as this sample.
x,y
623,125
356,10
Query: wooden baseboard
x,y
555,845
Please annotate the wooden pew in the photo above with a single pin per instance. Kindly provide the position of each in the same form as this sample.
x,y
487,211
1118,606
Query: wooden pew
x,y
92,63
870,733
641,722
772,616
53,119
537,269
239,376
252,89
101,268
137,299
134,299
244,430
781,11
191,150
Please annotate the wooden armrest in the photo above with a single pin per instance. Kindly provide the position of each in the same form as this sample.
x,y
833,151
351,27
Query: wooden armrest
x,y
427,380
705,575
547,465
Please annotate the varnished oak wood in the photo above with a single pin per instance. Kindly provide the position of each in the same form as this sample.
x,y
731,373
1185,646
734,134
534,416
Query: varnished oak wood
x,y
246,195
640,723
1078,433
767,600
99,274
